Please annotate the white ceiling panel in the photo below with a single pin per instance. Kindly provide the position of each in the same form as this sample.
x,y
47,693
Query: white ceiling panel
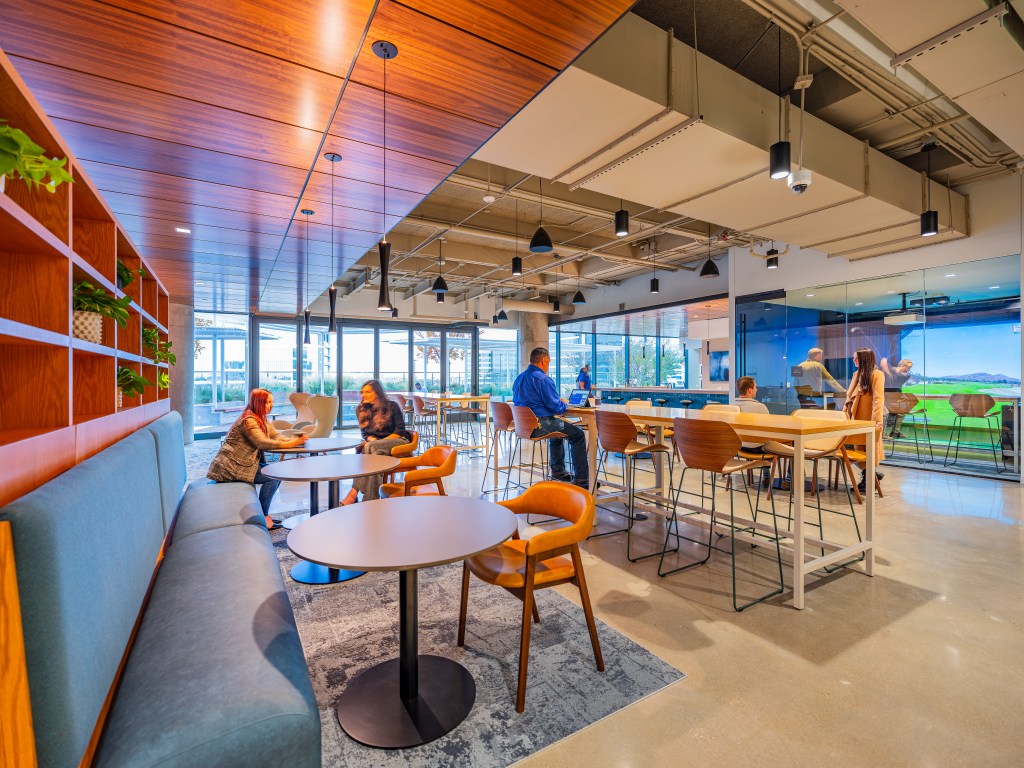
x,y
1000,107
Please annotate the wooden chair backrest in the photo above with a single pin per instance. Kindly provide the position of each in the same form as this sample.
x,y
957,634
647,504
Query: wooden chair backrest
x,y
502,415
398,398
525,420
722,408
417,405
900,403
971,404
824,443
706,445
615,430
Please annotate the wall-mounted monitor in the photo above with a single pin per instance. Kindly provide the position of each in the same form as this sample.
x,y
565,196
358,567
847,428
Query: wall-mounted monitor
x,y
719,365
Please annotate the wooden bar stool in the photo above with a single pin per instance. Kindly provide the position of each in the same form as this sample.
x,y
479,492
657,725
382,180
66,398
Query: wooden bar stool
x,y
425,419
504,431
711,446
525,423
616,433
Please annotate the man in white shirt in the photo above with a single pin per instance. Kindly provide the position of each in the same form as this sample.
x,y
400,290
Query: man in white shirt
x,y
746,388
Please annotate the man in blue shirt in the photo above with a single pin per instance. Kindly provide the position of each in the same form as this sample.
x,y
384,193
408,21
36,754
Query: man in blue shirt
x,y
535,389
583,380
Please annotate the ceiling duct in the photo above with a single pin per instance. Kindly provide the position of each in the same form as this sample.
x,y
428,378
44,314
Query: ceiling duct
x,y
971,50
714,167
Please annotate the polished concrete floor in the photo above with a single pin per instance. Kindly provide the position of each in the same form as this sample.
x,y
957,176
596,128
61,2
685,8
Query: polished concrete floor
x,y
920,665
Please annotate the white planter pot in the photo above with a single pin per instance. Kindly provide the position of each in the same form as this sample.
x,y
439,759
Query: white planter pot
x,y
88,326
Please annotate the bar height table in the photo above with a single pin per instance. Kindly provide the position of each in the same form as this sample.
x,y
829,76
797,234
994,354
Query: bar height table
x,y
415,698
313,470
318,445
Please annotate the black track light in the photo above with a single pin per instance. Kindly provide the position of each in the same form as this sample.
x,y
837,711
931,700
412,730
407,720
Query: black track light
x,y
621,222
517,265
779,163
578,298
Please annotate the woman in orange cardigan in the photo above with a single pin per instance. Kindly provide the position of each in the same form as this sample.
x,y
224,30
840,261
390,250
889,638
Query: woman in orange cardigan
x,y
865,401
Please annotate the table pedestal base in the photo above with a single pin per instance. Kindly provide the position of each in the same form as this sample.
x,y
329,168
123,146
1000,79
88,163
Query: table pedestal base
x,y
314,573
373,713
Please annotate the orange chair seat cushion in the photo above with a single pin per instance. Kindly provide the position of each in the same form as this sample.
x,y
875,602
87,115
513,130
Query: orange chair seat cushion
x,y
505,565
393,490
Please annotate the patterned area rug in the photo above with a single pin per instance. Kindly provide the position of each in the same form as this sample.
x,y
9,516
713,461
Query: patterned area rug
x,y
350,627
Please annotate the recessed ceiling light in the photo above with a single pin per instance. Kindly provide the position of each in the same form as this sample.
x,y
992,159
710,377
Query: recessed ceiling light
x,y
890,292
809,295
994,287
858,303
951,274
183,230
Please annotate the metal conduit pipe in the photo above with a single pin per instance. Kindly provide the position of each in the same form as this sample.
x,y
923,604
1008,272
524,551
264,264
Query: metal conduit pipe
x,y
873,84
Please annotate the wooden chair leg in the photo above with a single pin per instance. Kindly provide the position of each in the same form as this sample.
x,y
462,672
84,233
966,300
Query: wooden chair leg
x,y
463,605
581,584
524,641
536,613
850,475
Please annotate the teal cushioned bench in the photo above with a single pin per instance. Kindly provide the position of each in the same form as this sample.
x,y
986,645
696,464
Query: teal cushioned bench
x,y
85,545
216,675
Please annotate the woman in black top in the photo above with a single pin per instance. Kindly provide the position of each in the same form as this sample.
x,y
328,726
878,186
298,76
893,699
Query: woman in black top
x,y
380,421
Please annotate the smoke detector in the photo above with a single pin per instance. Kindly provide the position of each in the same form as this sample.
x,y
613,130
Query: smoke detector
x,y
488,198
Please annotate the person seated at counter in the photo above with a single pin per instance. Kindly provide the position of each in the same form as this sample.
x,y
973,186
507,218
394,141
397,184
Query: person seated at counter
x,y
383,428
746,391
240,459
534,389
583,380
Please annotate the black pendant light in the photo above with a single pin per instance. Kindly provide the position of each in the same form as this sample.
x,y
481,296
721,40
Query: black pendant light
x,y
440,298
502,315
710,269
578,298
779,152
655,285
332,292
394,311
439,286
621,221
556,308
307,212
517,266
930,218
385,50
773,259
541,240
494,320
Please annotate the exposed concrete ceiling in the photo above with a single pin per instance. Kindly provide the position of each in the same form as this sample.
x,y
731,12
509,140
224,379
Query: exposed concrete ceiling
x,y
689,182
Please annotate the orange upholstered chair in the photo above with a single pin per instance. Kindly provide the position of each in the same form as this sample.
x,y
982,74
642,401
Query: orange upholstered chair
x,y
546,560
400,451
426,469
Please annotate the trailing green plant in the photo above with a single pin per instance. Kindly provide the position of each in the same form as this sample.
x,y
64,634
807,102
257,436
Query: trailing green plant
x,y
131,383
125,276
21,158
88,298
163,380
161,349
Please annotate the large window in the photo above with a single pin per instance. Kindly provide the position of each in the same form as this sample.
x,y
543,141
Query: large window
x,y
460,362
610,361
498,363
672,368
643,361
575,351
320,366
426,347
220,384
278,351
357,361
393,346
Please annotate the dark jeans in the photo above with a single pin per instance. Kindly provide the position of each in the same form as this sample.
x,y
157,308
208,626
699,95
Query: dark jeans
x,y
268,487
577,444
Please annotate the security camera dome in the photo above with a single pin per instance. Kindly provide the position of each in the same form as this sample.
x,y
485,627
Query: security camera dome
x,y
799,181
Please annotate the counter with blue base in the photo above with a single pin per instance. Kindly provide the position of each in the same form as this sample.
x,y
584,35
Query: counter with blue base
x,y
673,397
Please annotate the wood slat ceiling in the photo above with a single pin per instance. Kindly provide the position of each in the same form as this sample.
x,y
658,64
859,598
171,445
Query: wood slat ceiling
x,y
210,116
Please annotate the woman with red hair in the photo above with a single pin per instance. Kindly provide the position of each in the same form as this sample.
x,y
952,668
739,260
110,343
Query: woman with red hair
x,y
240,459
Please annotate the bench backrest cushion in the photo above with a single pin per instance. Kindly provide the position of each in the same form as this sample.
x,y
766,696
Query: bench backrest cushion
x,y
170,454
85,545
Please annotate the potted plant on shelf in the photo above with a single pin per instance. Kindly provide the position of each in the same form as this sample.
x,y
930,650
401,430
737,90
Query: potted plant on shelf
x,y
130,383
127,276
91,305
21,158
161,350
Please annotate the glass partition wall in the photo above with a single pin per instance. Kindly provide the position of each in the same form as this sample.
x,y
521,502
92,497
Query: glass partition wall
x,y
947,339
220,383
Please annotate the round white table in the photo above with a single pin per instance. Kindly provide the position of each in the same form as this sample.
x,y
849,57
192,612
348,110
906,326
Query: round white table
x,y
314,470
413,699
316,445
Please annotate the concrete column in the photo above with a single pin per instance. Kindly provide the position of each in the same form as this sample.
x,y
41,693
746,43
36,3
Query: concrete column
x,y
181,332
533,332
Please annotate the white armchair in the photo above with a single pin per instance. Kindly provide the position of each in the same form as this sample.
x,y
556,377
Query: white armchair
x,y
325,414
304,415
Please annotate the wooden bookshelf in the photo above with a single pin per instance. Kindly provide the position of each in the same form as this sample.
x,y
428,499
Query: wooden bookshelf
x,y
58,393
